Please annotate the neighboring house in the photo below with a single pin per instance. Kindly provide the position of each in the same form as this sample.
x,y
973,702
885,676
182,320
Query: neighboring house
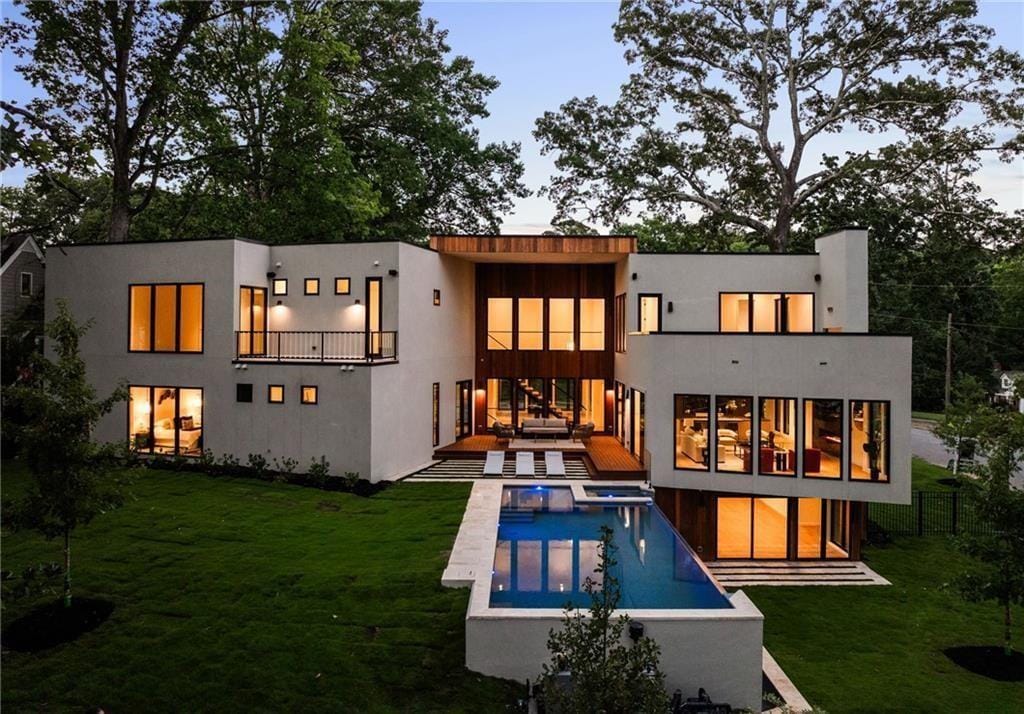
x,y
1006,391
744,386
22,275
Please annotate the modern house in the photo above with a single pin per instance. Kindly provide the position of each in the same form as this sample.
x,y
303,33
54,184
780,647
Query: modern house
x,y
745,387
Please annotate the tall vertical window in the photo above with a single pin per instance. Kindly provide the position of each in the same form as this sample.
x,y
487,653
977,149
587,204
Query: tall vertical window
x,y
252,321
752,527
435,413
778,432
809,535
591,324
561,324
499,323
592,402
499,401
649,318
620,323
869,441
823,438
26,284
531,323
562,403
166,318
166,420
733,420
766,312
691,429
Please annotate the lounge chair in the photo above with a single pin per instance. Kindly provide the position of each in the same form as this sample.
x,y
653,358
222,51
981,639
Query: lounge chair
x,y
554,465
524,463
495,464
503,432
583,432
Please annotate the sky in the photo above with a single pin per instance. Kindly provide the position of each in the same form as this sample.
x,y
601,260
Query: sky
x,y
545,53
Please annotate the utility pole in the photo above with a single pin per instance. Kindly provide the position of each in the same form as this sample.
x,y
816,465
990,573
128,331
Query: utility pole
x,y
949,355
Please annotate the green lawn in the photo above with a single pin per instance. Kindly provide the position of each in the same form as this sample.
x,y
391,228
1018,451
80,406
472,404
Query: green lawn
x,y
925,476
238,595
928,416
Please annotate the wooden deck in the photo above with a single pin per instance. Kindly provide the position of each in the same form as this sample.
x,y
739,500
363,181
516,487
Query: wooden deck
x,y
605,456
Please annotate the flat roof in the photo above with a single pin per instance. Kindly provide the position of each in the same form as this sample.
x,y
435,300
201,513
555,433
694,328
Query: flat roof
x,y
535,248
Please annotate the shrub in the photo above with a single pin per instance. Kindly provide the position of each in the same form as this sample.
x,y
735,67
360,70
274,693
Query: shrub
x,y
319,471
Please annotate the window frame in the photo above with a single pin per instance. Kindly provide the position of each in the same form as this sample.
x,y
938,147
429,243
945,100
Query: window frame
x,y
177,319
305,286
842,432
621,328
21,284
753,418
437,297
783,319
177,418
270,398
348,290
797,439
675,463
238,392
578,327
273,287
435,407
888,436
302,394
640,311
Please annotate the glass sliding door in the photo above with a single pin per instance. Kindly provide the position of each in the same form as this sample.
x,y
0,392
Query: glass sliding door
x,y
620,412
252,321
638,426
810,512
463,409
592,397
374,316
529,400
499,401
561,401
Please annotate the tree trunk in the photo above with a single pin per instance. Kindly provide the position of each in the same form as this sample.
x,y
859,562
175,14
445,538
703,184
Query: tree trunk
x,y
67,567
780,233
120,218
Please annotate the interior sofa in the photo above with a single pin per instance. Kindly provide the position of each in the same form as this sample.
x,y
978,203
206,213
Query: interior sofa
x,y
545,427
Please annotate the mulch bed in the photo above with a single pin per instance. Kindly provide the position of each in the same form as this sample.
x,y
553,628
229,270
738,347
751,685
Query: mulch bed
x,y
53,624
989,662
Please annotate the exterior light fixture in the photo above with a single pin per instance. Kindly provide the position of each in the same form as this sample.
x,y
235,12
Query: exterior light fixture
x,y
817,277
670,306
357,301
634,276
279,303
393,273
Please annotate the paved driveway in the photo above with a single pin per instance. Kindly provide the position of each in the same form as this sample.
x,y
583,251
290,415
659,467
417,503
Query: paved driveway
x,y
925,445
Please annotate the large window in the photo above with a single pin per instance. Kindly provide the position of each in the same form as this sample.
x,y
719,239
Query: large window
x,y
435,413
691,429
592,402
733,420
499,323
778,434
752,527
766,312
649,318
869,441
531,323
809,532
620,323
166,420
252,321
166,318
823,438
591,324
499,401
562,399
561,324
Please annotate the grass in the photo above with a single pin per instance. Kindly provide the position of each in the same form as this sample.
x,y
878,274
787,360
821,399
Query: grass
x,y
925,476
936,417
238,595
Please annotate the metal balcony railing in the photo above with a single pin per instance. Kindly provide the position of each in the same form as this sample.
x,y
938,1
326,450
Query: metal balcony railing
x,y
315,346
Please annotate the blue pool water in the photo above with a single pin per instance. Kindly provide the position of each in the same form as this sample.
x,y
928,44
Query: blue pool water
x,y
613,491
547,546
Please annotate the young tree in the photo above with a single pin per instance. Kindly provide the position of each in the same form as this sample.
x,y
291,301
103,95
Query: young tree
x,y
967,419
730,97
114,95
71,478
606,674
999,554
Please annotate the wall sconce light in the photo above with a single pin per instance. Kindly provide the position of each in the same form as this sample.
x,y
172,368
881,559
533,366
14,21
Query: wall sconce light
x,y
393,273
822,364
735,361
817,277
271,274
279,303
357,301
277,264
830,309
376,263
634,276
670,306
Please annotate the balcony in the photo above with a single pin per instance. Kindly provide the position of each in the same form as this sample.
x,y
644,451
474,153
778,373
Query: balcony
x,y
328,346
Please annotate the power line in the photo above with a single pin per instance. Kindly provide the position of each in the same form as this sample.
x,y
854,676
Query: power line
x,y
943,322
931,285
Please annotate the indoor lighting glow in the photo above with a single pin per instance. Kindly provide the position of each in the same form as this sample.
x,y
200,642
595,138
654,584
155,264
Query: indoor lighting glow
x,y
145,408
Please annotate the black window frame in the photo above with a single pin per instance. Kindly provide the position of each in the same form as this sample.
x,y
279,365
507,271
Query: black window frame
x,y
305,286
347,291
797,440
437,297
805,445
888,436
270,399
302,393
753,421
243,392
273,287
151,451
436,412
177,318
675,464
21,284
640,311
621,327
782,320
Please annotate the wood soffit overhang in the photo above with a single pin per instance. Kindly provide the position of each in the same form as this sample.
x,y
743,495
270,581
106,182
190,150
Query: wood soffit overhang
x,y
534,248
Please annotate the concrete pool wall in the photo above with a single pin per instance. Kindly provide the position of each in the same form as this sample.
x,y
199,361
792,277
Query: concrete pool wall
x,y
717,649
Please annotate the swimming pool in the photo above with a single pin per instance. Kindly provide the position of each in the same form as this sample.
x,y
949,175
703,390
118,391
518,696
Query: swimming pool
x,y
547,546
